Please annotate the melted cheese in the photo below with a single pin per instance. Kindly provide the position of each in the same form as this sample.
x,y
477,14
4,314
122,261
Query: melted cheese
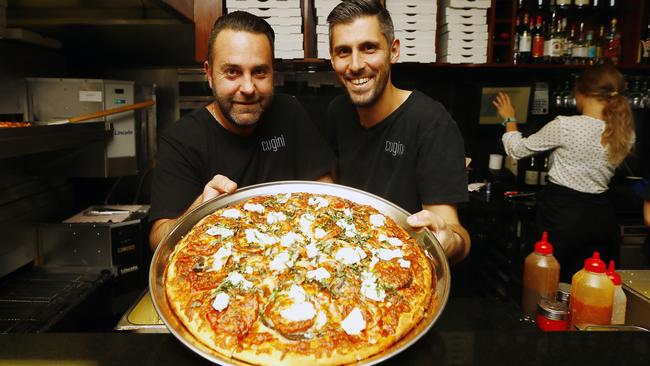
x,y
254,207
318,201
220,301
221,231
318,274
404,263
321,319
221,257
299,311
369,287
354,323
347,256
388,254
255,236
350,229
236,278
306,222
319,233
377,220
281,262
289,239
275,217
312,250
232,213
297,293
392,241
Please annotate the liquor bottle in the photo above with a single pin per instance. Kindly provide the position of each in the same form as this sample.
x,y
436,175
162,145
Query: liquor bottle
x,y
591,48
515,43
569,45
563,4
581,4
538,41
645,46
612,43
579,48
599,44
612,4
543,174
549,30
525,40
531,175
557,43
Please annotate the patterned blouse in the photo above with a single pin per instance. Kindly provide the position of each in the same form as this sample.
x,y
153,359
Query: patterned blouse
x,y
577,160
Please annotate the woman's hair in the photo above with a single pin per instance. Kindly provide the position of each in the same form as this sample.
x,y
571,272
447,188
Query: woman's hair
x,y
606,84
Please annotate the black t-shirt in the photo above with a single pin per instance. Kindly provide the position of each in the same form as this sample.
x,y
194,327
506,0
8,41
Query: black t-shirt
x,y
284,146
413,157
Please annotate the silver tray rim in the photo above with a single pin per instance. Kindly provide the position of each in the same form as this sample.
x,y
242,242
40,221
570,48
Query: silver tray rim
x,y
425,238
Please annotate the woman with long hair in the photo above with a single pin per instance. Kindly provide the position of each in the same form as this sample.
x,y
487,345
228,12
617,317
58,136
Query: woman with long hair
x,y
585,150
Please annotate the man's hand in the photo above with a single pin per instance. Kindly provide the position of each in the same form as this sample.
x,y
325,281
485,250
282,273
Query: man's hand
x,y
218,185
442,220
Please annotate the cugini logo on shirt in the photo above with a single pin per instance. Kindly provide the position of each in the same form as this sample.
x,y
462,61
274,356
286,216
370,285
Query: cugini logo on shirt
x,y
395,148
273,144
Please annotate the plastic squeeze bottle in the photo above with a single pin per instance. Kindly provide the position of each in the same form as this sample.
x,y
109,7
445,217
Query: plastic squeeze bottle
x,y
592,294
620,300
541,276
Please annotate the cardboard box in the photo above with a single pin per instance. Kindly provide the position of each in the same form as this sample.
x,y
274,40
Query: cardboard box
x,y
478,4
271,12
456,27
284,20
455,59
470,19
247,4
429,35
413,8
422,25
286,29
289,54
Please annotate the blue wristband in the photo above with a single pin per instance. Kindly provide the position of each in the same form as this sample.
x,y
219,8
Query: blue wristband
x,y
508,120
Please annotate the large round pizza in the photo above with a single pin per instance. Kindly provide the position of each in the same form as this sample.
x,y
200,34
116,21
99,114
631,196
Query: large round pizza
x,y
298,279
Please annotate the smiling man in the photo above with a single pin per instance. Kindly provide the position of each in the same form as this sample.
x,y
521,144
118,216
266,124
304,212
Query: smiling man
x,y
398,144
246,136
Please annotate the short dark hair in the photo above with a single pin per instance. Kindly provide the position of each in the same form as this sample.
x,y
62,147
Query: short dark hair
x,y
240,21
349,10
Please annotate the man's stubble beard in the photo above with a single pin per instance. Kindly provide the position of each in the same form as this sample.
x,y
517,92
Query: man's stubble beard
x,y
226,107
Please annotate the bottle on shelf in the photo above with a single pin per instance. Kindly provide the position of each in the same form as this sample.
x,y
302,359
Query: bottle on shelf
x,y
558,43
612,43
597,3
599,44
579,53
538,41
531,175
591,48
543,174
541,277
592,294
581,4
563,4
620,300
525,40
645,46
570,44
515,42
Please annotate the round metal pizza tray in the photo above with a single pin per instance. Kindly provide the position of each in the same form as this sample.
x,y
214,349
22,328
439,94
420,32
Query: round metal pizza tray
x,y
185,224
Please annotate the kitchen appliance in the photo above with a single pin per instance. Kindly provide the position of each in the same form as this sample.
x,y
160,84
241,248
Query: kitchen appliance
x,y
60,99
636,284
109,238
425,239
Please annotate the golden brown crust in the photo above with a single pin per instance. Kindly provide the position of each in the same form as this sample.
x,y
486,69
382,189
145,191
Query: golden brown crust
x,y
298,279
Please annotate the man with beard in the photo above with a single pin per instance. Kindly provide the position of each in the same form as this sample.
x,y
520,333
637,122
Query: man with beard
x,y
398,144
246,136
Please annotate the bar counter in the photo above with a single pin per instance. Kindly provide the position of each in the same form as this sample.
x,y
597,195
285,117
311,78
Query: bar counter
x,y
470,331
